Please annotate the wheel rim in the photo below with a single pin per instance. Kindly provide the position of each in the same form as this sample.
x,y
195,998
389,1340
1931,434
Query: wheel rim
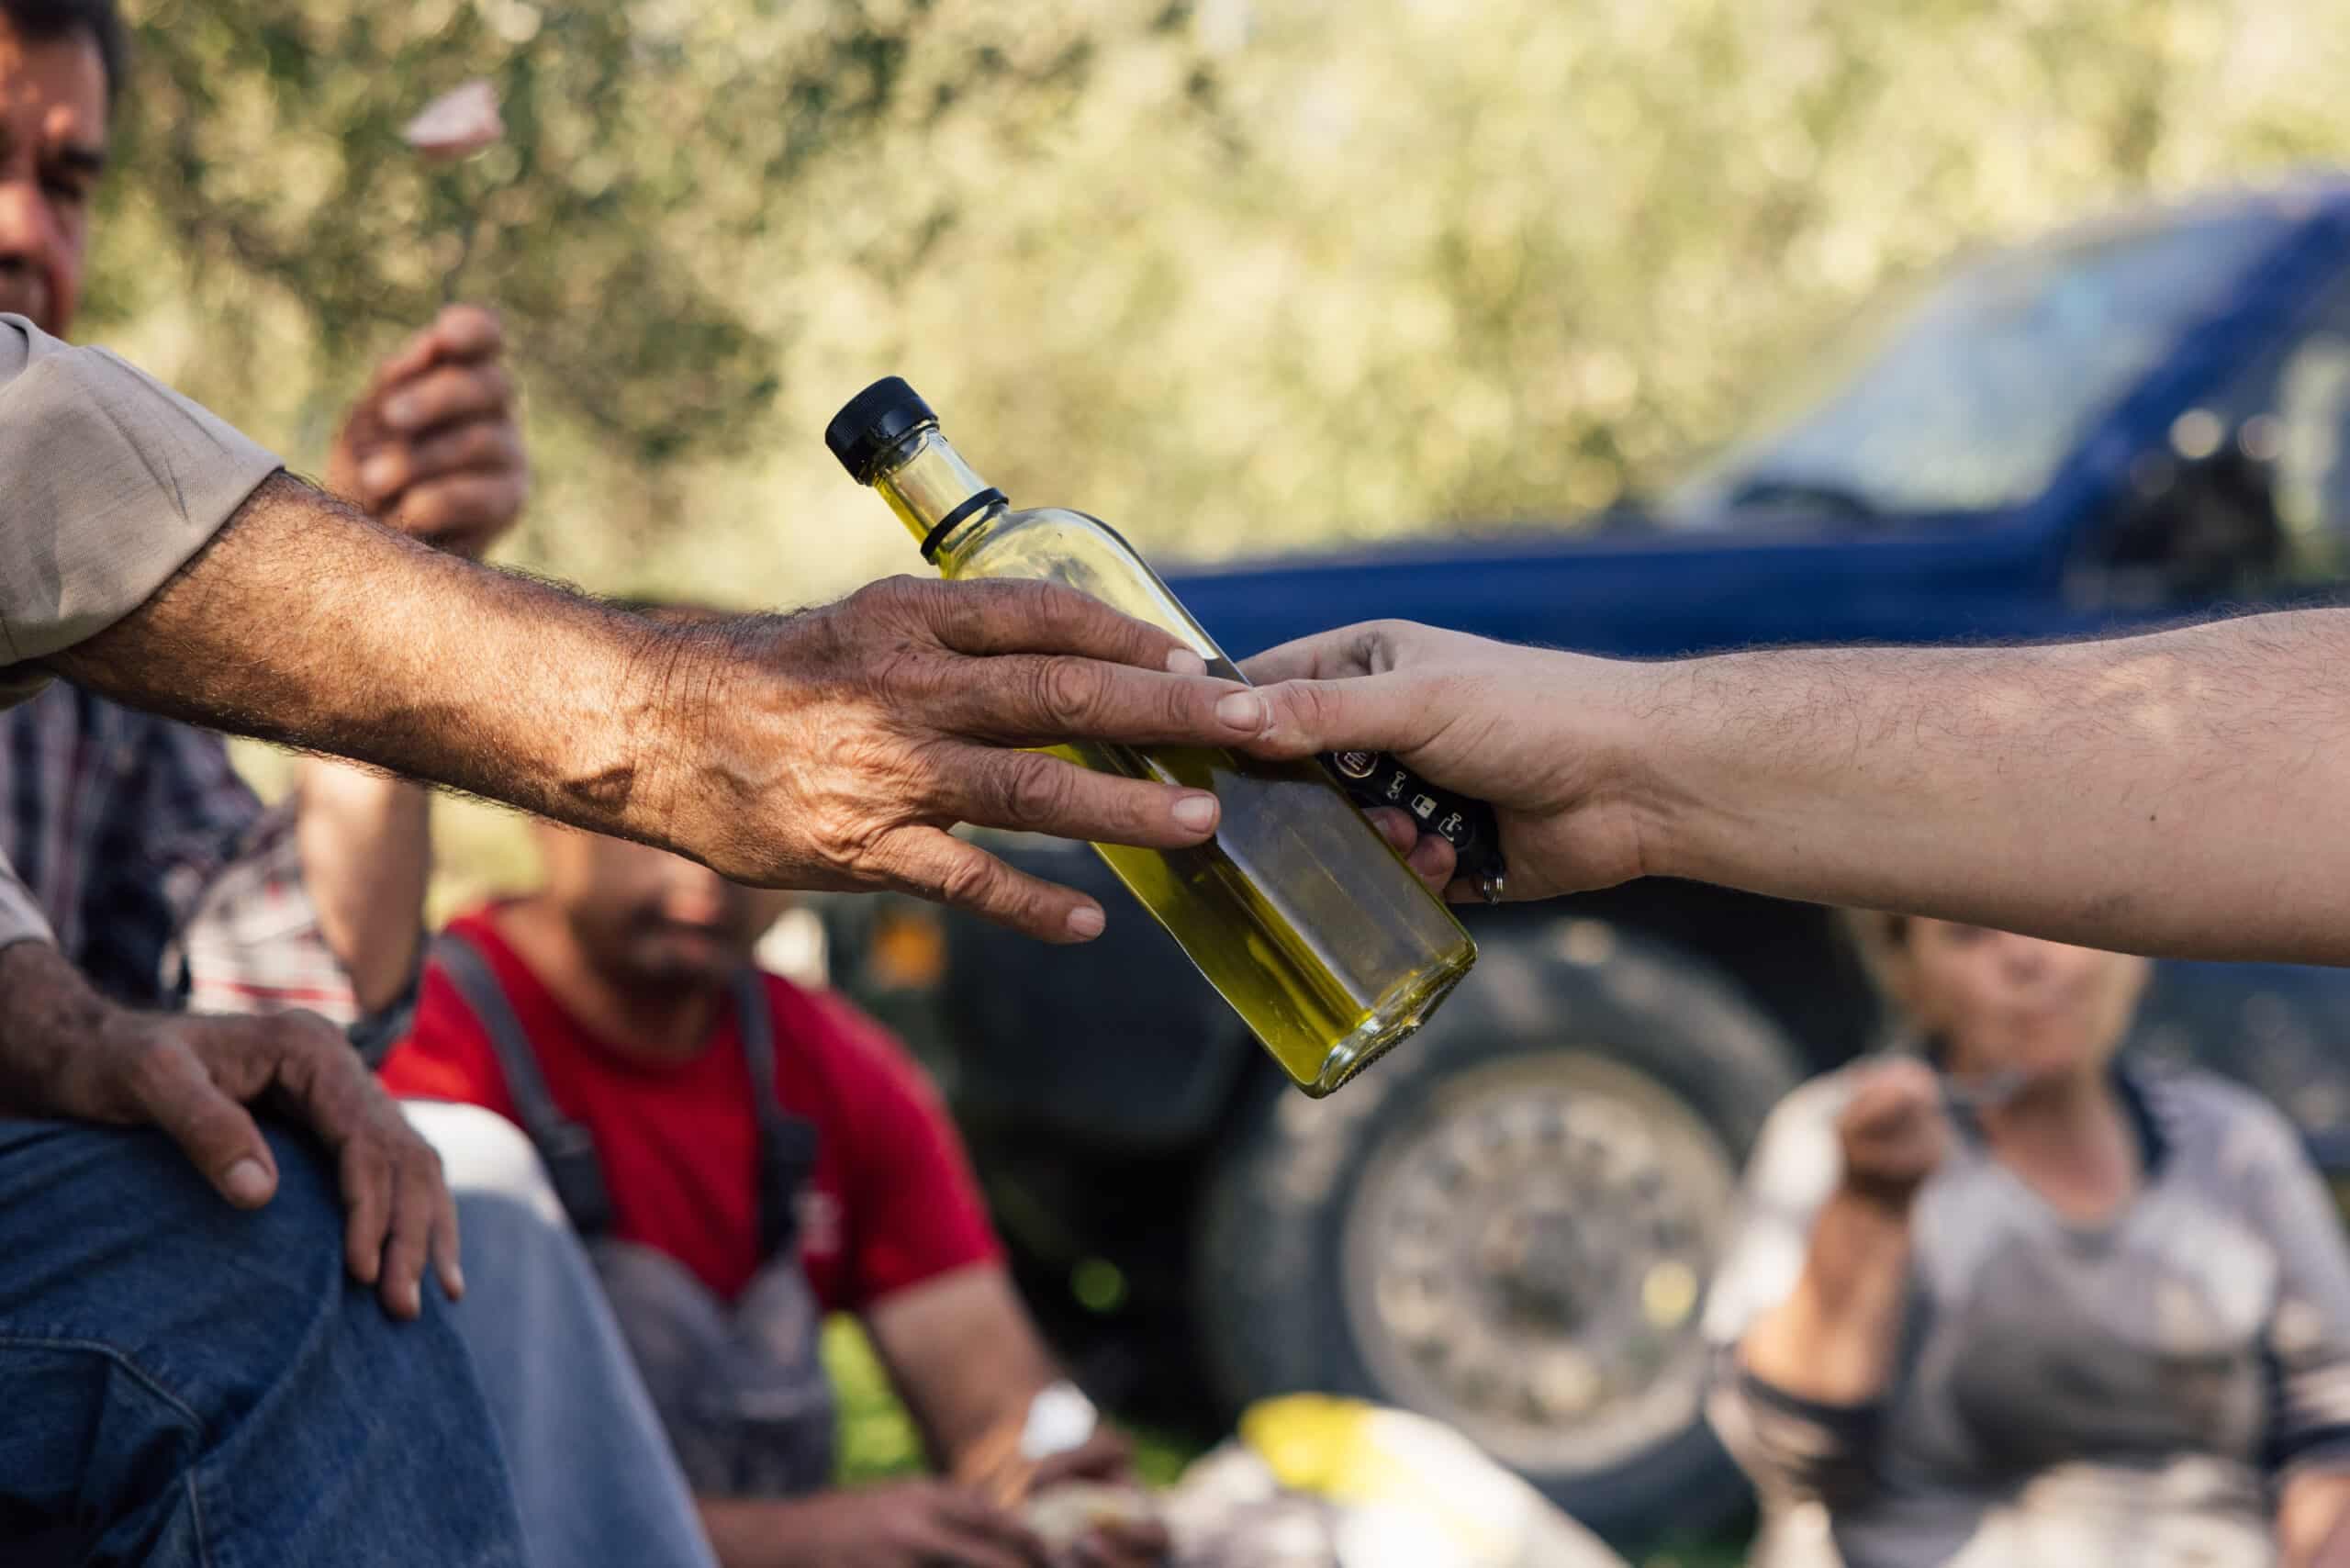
x,y
1525,1259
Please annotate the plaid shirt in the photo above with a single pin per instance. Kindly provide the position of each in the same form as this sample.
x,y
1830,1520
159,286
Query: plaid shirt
x,y
161,874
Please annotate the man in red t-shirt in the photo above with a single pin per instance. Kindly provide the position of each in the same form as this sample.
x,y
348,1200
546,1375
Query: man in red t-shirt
x,y
629,981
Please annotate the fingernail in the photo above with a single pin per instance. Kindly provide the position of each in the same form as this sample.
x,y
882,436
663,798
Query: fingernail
x,y
247,1182
379,473
400,411
455,1284
1196,812
1242,711
1184,661
1085,922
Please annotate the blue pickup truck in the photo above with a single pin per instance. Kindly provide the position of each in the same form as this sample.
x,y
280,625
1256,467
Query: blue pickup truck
x,y
1509,1222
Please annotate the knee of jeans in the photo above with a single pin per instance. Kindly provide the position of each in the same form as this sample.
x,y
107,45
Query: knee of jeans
x,y
134,1252
482,1152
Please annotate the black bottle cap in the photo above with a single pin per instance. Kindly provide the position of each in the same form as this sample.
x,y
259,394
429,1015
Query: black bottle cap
x,y
872,422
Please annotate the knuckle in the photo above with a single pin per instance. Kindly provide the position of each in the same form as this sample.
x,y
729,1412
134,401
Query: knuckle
x,y
839,837
1037,794
428,402
1311,705
383,475
1376,651
1050,601
419,1161
1068,691
1181,705
366,1158
897,598
966,880
153,1071
908,672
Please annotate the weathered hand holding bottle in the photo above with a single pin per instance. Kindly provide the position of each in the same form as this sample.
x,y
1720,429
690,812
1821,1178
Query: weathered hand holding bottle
x,y
1297,911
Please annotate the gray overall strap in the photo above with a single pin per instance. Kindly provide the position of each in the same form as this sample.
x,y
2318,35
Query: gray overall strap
x,y
786,1143
567,1149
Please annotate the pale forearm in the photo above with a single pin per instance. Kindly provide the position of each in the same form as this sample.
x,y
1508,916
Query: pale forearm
x,y
302,622
2313,1522
2173,794
365,841
1833,1341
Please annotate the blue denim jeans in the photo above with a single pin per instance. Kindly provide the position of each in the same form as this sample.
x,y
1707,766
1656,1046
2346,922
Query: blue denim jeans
x,y
595,1482
186,1386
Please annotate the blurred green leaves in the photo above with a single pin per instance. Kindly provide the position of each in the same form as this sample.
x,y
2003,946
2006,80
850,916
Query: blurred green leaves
x,y
1239,274
653,149
263,138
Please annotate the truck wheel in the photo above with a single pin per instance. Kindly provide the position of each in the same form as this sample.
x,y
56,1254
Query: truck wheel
x,y
1510,1222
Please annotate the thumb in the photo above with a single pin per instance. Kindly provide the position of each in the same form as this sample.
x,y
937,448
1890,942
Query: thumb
x,y
1378,712
179,1096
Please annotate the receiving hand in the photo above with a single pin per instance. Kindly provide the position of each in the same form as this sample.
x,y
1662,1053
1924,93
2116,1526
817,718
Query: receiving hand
x,y
1109,1521
192,1075
1536,733
432,448
838,747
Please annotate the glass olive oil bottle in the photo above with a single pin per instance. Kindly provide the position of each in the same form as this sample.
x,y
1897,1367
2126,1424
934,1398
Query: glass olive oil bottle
x,y
1297,911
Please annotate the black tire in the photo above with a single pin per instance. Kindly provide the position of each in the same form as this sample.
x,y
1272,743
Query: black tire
x,y
1564,1021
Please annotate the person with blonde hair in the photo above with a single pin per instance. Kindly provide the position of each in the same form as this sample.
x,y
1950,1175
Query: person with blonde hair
x,y
2002,1294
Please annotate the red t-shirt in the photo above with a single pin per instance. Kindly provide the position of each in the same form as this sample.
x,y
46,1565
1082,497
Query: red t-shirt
x,y
892,1202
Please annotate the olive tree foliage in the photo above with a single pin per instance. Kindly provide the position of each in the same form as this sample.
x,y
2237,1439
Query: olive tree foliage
x,y
1236,274
268,235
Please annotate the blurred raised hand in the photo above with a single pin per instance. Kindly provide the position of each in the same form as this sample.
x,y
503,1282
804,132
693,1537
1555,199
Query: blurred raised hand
x,y
432,448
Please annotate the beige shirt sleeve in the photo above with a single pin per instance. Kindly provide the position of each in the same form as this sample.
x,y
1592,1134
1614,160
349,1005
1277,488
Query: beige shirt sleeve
x,y
20,917
110,482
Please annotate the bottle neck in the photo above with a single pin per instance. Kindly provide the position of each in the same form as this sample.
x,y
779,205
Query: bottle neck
x,y
935,493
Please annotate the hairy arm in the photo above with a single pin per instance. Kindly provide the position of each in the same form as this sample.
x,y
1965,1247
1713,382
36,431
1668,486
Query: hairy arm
x,y
834,748
303,622
2176,793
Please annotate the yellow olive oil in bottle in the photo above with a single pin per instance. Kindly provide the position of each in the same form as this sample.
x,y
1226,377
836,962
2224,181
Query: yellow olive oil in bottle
x,y
1297,911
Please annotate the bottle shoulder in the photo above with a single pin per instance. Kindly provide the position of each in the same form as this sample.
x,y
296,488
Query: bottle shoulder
x,y
1079,551
1039,535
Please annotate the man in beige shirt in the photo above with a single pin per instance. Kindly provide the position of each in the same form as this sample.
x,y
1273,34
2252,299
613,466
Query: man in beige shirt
x,y
180,1374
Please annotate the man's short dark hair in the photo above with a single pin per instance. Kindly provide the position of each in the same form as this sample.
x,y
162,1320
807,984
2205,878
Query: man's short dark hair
x,y
43,19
